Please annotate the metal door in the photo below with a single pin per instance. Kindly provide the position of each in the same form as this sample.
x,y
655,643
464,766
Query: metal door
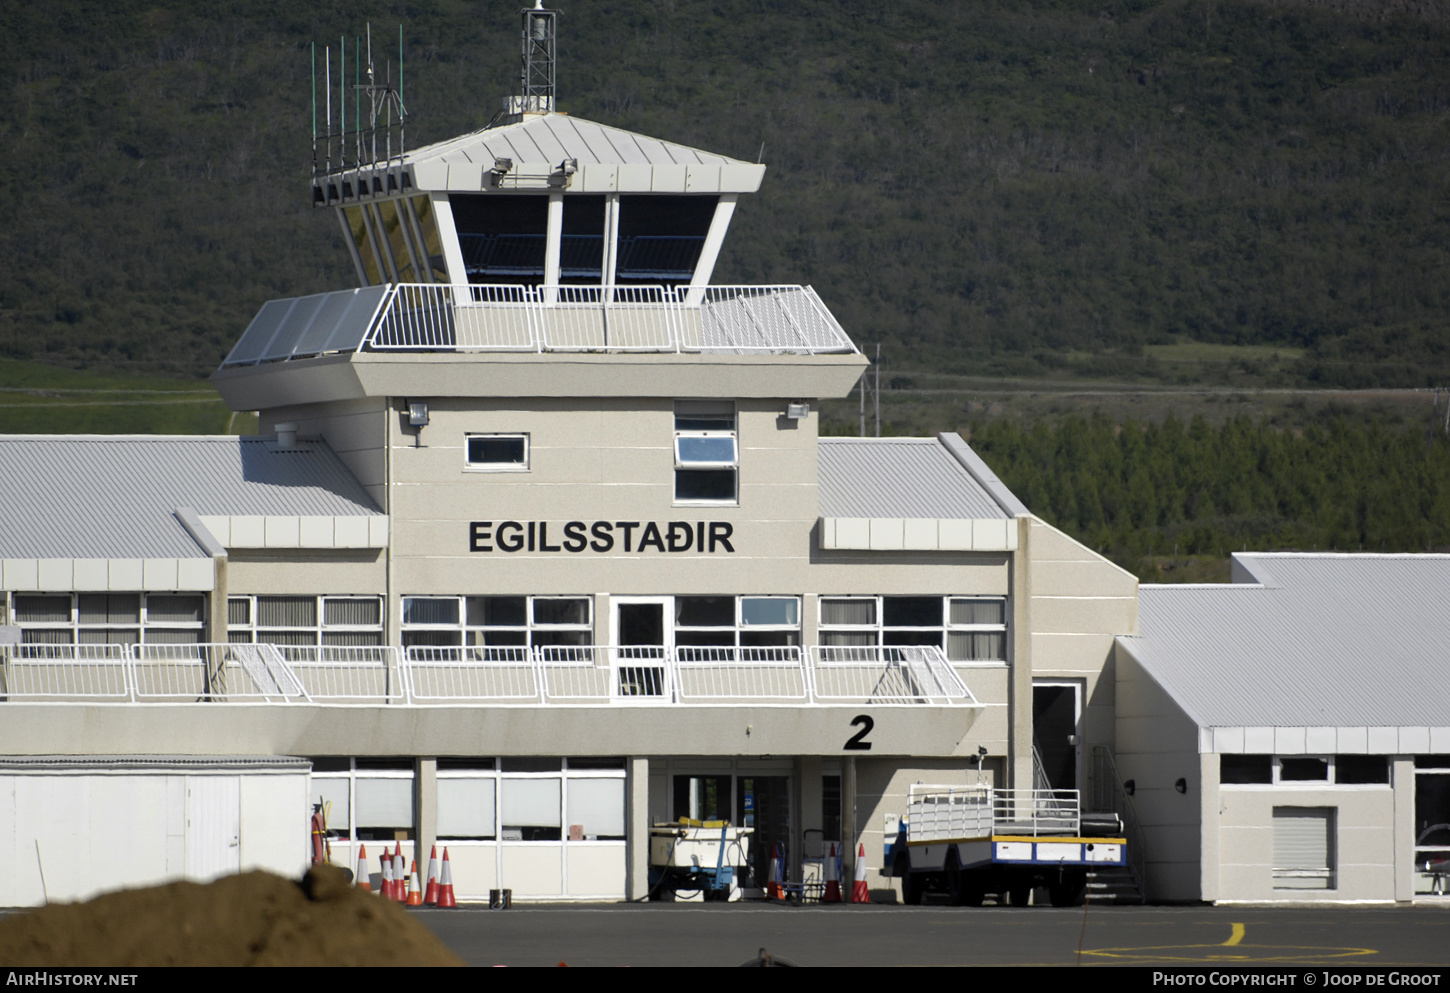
x,y
213,826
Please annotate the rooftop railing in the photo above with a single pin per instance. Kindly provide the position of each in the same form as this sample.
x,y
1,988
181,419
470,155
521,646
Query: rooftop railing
x,y
480,676
414,317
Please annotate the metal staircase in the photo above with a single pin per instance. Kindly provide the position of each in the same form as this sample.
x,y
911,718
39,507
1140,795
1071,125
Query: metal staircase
x,y
1125,884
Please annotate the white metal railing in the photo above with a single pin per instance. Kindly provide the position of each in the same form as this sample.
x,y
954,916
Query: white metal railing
x,y
886,674
625,673
652,318
944,813
346,674
65,672
937,813
212,673
766,673
555,674
473,674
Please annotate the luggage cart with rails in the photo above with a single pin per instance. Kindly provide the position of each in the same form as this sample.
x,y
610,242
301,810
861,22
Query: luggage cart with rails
x,y
971,841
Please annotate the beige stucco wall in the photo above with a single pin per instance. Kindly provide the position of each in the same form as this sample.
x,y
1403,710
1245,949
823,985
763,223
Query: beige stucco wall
x,y
1157,744
1364,840
1080,602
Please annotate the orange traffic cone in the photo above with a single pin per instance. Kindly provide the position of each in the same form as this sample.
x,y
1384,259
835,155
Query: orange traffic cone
x,y
773,890
859,892
446,899
415,891
833,879
363,882
400,875
430,896
387,890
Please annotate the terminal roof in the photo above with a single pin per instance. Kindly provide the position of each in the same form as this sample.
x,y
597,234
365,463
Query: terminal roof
x,y
117,497
1304,640
909,478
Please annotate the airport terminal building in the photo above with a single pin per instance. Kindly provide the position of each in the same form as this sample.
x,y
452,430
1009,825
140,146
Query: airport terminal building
x,y
539,545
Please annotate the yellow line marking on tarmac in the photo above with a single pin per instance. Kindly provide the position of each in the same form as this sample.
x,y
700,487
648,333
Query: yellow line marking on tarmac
x,y
1236,936
1256,954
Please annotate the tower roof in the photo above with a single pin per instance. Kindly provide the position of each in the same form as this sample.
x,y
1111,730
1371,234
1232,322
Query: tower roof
x,y
607,160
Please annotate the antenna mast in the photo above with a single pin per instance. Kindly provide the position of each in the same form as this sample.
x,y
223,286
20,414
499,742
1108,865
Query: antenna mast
x,y
536,76
376,138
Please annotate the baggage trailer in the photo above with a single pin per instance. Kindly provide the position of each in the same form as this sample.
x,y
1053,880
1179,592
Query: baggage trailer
x,y
969,841
697,860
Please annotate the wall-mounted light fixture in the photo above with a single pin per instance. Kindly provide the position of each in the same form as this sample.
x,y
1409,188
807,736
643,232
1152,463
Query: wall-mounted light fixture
x,y
501,168
418,420
1181,785
797,411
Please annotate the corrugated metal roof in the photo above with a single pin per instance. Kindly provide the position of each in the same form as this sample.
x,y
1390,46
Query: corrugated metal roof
x,y
116,497
898,477
551,138
1323,640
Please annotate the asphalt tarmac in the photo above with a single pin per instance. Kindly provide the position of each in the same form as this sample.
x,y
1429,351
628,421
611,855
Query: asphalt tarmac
x,y
1331,939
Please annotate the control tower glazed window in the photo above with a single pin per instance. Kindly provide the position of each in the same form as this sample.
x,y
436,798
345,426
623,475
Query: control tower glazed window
x,y
503,238
707,459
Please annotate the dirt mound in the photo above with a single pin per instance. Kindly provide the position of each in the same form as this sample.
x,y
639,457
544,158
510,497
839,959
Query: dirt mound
x,y
255,918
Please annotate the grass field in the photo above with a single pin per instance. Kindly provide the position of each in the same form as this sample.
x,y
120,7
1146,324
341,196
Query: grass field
x,y
42,399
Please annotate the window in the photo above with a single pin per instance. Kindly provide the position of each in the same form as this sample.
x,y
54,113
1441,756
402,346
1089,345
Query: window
x,y
366,799
977,630
1304,847
744,622
966,629
306,621
706,453
1432,824
531,799
498,452
1309,770
498,621
110,618
503,238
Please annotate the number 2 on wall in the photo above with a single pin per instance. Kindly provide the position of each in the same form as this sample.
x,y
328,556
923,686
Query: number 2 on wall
x,y
858,742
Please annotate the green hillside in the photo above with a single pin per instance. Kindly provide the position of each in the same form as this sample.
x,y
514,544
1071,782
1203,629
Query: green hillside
x,y
1063,188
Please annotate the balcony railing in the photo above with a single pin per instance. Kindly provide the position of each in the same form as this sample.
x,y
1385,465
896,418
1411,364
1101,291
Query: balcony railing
x,y
738,320
480,676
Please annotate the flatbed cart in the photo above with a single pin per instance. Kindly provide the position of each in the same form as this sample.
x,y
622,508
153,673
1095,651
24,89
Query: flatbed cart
x,y
969,841
696,860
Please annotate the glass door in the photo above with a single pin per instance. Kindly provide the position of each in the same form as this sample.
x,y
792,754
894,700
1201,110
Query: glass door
x,y
641,644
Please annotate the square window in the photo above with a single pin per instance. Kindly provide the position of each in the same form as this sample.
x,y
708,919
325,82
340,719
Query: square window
x,y
1303,770
1243,770
498,452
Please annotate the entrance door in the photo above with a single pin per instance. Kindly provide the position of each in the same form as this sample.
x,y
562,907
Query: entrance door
x,y
763,802
1056,714
642,640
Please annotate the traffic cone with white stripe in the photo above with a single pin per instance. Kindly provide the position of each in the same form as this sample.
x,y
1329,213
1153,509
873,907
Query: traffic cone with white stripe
x,y
387,859
415,891
430,895
773,890
859,892
446,900
400,875
833,879
363,882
